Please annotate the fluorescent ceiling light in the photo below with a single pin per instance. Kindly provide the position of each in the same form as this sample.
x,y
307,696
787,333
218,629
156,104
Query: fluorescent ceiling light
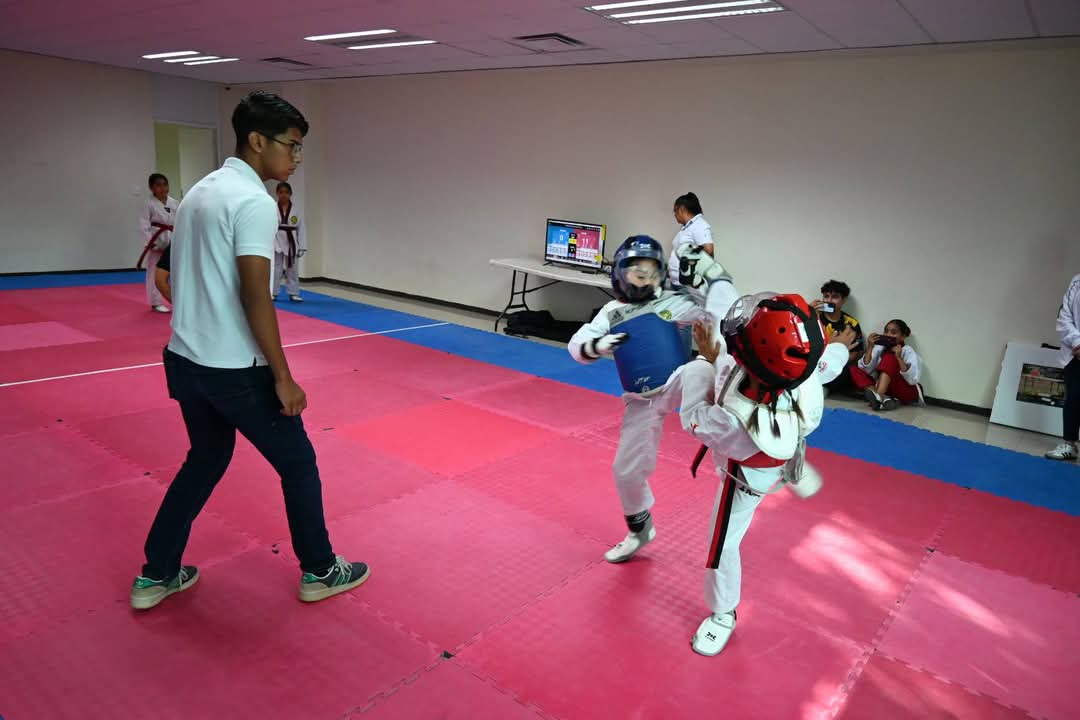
x,y
178,53
211,62
702,16
360,33
684,9
644,3
191,59
392,44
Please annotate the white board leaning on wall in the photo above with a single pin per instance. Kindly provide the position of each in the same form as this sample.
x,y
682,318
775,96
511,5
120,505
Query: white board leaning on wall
x,y
1031,389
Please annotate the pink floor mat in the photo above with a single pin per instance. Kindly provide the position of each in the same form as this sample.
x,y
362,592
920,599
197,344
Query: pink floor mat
x,y
451,561
56,462
544,402
614,642
236,645
74,556
1016,538
447,437
447,692
999,635
40,334
890,690
353,478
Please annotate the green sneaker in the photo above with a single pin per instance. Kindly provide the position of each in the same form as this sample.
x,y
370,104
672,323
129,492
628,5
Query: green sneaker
x,y
147,592
341,577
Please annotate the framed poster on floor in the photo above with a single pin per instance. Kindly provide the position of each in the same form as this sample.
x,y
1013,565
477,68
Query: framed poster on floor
x,y
1031,389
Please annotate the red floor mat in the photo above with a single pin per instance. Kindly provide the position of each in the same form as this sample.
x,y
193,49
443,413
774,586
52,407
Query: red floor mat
x,y
1016,538
67,558
568,480
890,690
150,439
236,645
39,335
353,478
76,400
448,693
350,397
13,313
549,404
447,437
893,502
36,363
55,462
999,635
451,561
832,574
615,643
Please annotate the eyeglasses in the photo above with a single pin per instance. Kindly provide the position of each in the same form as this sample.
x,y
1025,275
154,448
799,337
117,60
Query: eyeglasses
x,y
297,149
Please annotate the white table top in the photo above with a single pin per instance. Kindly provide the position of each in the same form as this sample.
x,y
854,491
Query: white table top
x,y
535,266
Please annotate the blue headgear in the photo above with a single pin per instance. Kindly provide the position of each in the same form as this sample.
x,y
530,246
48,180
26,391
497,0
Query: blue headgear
x,y
637,246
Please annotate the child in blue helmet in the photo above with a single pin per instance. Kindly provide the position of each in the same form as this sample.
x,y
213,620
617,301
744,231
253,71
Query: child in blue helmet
x,y
646,329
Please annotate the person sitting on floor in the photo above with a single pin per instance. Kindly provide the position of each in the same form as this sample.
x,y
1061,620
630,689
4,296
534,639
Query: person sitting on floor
x,y
888,373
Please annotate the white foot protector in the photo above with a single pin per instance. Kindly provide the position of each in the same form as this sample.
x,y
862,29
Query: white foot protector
x,y
160,308
713,634
630,545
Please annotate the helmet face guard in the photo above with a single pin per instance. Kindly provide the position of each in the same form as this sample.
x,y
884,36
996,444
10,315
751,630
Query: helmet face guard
x,y
777,338
633,248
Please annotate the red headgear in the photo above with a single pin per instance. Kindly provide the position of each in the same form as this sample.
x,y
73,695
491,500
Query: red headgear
x,y
777,338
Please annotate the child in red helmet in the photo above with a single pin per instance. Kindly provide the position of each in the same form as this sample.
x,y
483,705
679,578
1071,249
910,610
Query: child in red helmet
x,y
754,408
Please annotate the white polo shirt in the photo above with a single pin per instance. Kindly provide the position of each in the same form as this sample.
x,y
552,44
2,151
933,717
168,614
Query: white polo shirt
x,y
1068,321
697,233
226,215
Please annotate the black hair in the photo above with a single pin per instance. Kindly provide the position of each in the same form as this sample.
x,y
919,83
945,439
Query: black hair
x,y
904,329
154,177
689,202
285,185
836,286
266,114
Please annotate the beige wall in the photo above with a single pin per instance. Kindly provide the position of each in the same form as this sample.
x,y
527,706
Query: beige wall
x,y
80,145
941,184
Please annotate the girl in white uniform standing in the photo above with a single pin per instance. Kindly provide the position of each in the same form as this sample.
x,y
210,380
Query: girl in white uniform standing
x,y
289,245
156,226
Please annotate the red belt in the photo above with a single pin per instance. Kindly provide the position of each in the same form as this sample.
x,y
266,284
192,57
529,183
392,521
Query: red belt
x,y
161,227
758,460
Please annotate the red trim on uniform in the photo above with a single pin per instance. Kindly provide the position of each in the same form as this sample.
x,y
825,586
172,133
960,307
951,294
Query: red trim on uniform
x,y
723,514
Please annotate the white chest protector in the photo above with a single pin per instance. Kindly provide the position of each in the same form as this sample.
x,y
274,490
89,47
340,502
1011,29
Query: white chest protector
x,y
656,348
808,397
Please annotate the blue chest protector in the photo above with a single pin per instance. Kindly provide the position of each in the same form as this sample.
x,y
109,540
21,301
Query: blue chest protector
x,y
656,348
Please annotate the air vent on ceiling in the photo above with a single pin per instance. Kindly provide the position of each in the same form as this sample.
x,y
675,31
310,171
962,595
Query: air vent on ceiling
x,y
549,43
285,61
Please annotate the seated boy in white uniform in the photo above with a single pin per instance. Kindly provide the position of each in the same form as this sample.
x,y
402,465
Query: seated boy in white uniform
x,y
754,409
647,329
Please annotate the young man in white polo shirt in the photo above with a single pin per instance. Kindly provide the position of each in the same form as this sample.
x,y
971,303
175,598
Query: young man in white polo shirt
x,y
225,365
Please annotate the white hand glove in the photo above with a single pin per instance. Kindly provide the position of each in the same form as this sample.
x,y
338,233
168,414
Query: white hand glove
x,y
301,252
605,345
697,269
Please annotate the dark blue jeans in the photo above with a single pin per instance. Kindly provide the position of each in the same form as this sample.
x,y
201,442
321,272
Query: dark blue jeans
x,y
1071,411
215,404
